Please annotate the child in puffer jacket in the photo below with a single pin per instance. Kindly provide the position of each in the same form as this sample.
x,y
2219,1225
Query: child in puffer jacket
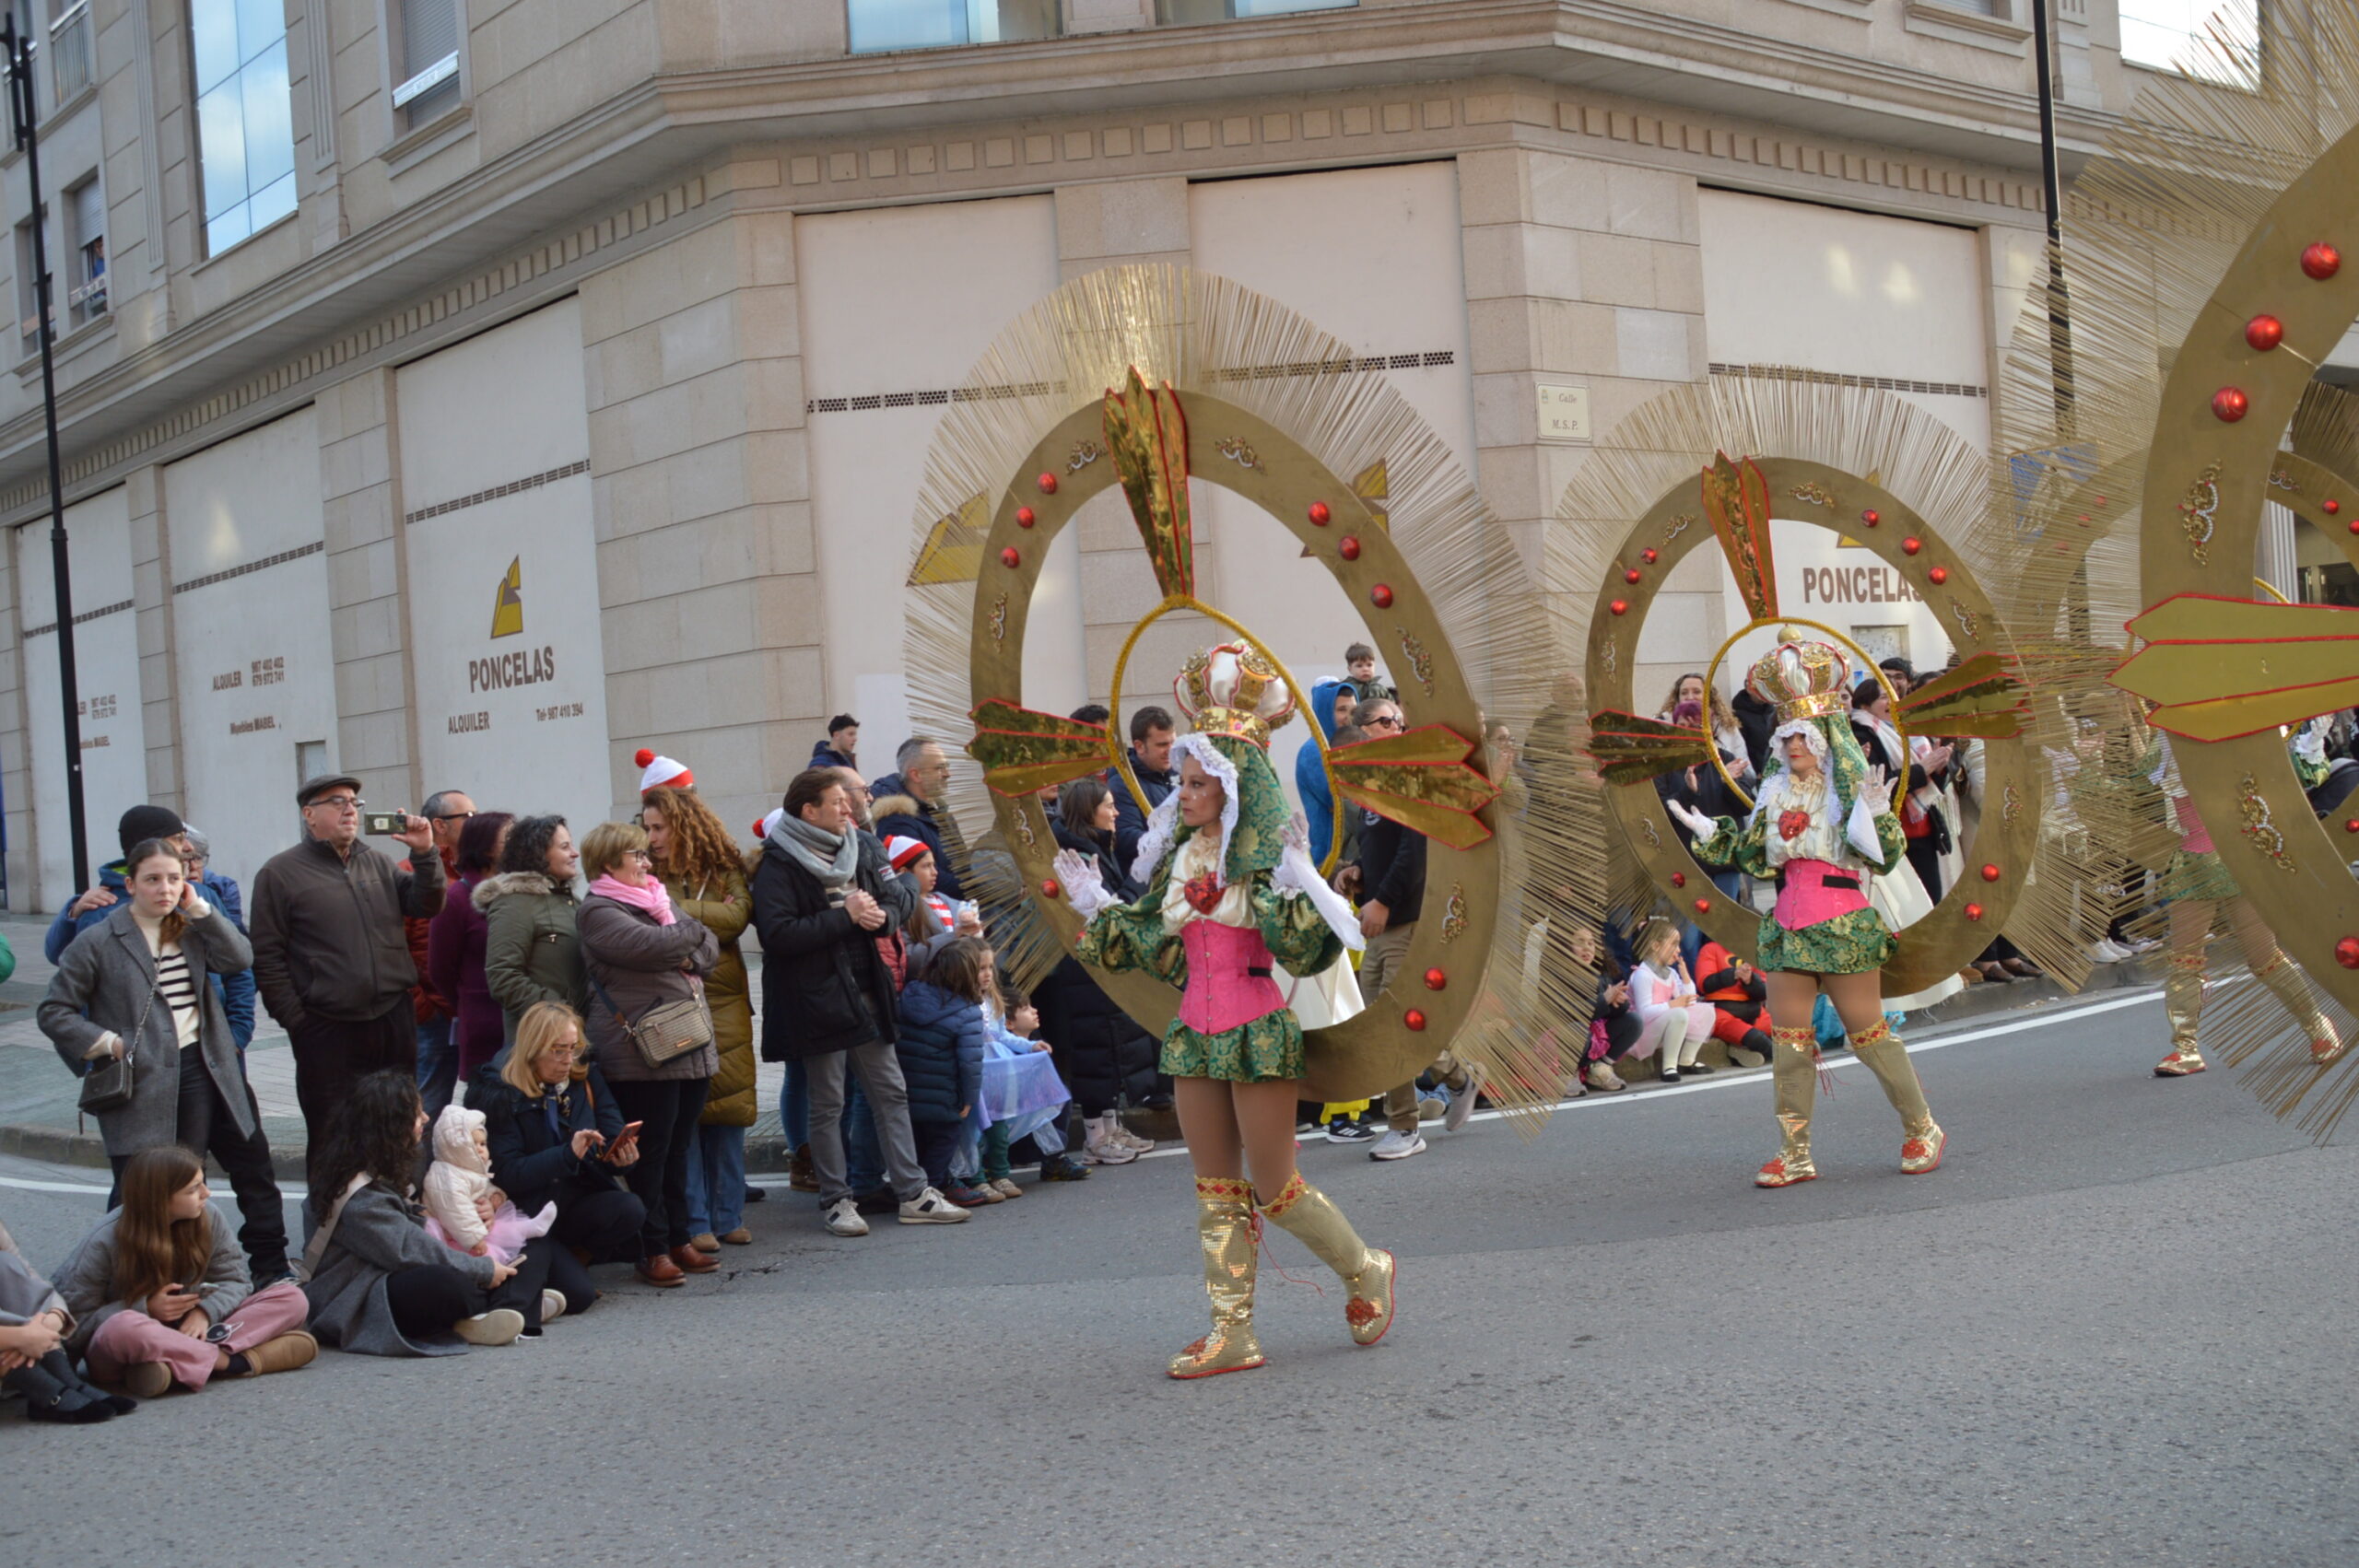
x,y
941,1045
1740,999
461,1206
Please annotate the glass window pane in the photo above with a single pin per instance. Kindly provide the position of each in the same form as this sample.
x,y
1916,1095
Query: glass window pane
x,y
213,39
907,24
272,204
227,229
270,119
261,23
1279,7
221,147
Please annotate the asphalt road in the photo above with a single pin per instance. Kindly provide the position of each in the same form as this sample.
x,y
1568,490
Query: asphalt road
x,y
2107,1331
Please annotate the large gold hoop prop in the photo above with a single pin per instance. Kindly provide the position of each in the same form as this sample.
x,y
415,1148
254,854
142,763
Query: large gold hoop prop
x,y
1892,693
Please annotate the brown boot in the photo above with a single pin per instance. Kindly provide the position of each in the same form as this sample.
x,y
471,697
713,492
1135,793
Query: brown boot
x,y
801,1174
283,1353
692,1262
660,1271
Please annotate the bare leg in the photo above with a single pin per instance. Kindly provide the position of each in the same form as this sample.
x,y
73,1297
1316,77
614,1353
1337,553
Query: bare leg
x,y
1208,1121
1857,998
1791,998
1265,1116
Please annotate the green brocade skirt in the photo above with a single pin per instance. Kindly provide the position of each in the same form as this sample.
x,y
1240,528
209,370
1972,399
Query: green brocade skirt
x,y
1849,944
1264,1050
2198,876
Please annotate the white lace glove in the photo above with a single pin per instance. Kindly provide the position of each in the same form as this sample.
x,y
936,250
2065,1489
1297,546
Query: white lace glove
x,y
1085,888
1296,874
1874,801
1696,821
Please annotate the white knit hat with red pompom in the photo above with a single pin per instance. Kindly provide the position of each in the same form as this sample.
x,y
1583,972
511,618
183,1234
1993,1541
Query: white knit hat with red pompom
x,y
662,773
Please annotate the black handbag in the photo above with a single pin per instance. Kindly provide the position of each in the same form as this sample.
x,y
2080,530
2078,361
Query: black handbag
x,y
107,1083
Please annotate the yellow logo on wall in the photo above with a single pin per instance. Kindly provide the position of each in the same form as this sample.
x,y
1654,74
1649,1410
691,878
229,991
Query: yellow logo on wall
x,y
508,610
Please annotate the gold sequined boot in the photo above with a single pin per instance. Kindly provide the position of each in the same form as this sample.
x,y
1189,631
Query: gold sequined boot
x,y
1794,1055
2183,1004
1922,1139
2291,987
1224,1226
1308,1214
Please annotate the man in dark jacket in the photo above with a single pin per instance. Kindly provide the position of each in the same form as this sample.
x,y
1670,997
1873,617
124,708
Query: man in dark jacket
x,y
331,957
910,804
822,895
1151,736
842,742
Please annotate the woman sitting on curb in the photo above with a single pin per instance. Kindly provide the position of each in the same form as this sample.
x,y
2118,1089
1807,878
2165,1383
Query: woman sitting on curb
x,y
160,1291
380,1285
557,1138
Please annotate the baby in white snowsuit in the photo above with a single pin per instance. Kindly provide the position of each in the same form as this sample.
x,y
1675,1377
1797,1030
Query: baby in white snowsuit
x,y
459,1191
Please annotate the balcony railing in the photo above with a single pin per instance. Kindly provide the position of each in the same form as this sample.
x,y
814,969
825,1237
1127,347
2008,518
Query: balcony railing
x,y
881,25
69,51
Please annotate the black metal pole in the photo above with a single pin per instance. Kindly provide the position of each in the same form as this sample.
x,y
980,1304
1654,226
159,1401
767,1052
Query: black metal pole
x,y
2051,182
21,110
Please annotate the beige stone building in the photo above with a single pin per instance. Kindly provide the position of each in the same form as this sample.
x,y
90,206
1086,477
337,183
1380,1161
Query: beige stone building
x,y
468,392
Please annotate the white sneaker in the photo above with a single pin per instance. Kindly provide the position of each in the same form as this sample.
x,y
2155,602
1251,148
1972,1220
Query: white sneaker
x,y
1461,1101
1398,1145
498,1327
1603,1079
1126,1137
844,1217
1433,1106
2106,951
1103,1148
930,1207
552,1307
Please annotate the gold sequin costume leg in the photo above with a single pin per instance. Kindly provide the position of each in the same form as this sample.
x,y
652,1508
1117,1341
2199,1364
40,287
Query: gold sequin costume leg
x,y
1224,1227
1922,1139
2183,1005
2292,987
1310,1215
1794,1058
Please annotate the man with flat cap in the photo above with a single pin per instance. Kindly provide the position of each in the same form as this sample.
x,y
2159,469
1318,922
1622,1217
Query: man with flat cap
x,y
331,958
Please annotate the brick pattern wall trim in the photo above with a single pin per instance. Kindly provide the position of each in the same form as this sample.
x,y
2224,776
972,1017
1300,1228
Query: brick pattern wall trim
x,y
530,482
297,554
48,627
1838,378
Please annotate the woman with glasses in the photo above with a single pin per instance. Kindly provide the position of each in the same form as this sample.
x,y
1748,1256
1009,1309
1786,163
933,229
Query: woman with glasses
x,y
639,953
557,1137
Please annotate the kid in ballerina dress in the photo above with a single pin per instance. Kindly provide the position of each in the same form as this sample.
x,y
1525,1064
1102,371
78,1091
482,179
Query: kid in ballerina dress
x,y
1822,825
1231,895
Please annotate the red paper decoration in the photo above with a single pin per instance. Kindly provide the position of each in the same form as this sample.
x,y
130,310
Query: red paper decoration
x,y
2264,332
2230,404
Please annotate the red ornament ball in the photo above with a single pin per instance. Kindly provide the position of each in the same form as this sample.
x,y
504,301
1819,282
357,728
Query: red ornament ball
x,y
1436,980
1320,514
1048,888
2264,332
1679,879
1025,517
2346,952
1703,905
1381,596
1871,517
1989,874
1633,574
1911,546
2320,260
1047,483
1349,546
1939,576
2354,525
2352,826
1620,606
2230,404
1974,911
1650,557
1415,1018
1011,557
2331,505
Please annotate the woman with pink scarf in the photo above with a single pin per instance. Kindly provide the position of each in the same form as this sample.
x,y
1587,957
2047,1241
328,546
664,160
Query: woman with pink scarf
x,y
642,954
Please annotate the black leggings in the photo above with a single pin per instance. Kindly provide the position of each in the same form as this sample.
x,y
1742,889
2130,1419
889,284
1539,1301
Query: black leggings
x,y
427,1300
605,1225
668,1109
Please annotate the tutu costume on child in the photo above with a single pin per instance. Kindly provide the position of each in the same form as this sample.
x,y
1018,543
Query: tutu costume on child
x,y
458,1180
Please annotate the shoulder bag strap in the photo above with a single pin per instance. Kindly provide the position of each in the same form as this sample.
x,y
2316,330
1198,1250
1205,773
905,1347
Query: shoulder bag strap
x,y
319,1246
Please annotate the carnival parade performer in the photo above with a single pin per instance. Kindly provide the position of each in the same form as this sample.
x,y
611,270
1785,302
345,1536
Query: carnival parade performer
x,y
2198,889
1231,893
1822,824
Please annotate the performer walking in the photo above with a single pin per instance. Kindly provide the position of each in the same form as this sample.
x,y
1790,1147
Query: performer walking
x,y
1230,890
1822,823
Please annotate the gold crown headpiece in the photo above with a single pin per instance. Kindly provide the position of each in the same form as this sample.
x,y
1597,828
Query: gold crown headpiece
x,y
1234,689
1802,680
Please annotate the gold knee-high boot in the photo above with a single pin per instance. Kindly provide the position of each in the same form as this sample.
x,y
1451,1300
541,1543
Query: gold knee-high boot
x,y
1224,1226
1794,1055
1922,1139
2291,987
1308,1214
2183,1005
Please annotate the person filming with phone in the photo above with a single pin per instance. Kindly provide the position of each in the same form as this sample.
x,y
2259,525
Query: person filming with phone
x,y
332,958
559,1137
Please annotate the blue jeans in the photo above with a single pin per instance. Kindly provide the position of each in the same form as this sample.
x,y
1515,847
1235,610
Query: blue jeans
x,y
437,1065
717,1181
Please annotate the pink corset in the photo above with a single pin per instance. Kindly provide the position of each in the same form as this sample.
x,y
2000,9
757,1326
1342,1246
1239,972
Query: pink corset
x,y
1811,892
1229,976
2195,838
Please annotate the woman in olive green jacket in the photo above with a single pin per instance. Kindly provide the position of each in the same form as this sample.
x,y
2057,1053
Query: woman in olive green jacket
x,y
705,881
530,952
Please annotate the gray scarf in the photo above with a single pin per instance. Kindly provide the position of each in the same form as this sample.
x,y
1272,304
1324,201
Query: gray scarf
x,y
830,857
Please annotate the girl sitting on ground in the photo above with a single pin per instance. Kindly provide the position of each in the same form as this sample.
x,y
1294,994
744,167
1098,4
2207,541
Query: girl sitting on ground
x,y
1740,999
161,1294
1676,1024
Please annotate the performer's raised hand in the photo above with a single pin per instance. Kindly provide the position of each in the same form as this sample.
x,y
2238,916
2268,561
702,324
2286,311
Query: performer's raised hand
x,y
1085,888
1878,786
1696,821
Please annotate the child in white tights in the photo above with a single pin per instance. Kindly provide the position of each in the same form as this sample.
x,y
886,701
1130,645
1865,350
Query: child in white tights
x,y
1675,1023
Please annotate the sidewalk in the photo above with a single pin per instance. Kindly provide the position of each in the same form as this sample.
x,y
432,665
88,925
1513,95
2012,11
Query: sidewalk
x,y
38,1120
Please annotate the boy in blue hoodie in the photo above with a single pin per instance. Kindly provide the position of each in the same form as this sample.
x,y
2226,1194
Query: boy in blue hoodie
x,y
1331,708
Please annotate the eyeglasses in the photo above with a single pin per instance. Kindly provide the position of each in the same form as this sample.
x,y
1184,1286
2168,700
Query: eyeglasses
x,y
1381,721
339,803
454,817
639,855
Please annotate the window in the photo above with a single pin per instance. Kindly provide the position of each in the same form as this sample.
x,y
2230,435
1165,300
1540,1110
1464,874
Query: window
x,y
429,79
2210,41
1187,13
27,291
69,51
86,285
879,25
245,122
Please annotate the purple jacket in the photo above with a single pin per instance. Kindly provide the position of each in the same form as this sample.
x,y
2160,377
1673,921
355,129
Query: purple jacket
x,y
454,961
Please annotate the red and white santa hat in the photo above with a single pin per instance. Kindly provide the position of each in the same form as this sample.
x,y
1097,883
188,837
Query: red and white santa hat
x,y
662,773
904,852
767,825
